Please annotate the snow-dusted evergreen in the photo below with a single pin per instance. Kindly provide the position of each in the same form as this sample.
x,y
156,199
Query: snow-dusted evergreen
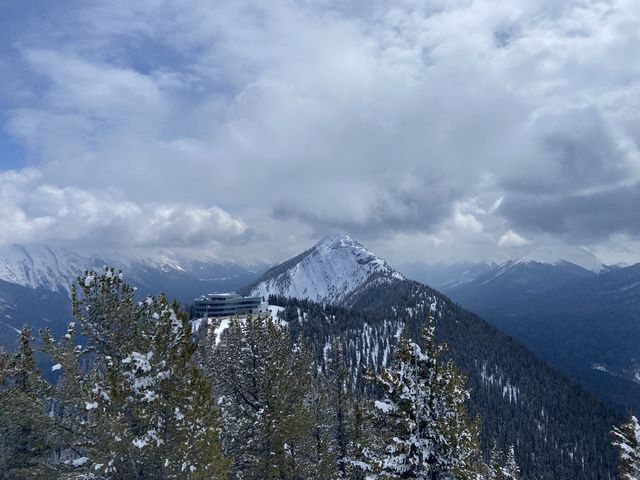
x,y
134,402
510,470
264,389
328,272
626,439
425,432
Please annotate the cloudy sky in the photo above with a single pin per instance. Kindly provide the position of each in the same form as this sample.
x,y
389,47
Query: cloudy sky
x,y
437,130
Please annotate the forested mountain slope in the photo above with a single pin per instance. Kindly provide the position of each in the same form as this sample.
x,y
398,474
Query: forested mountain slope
x,y
560,431
585,325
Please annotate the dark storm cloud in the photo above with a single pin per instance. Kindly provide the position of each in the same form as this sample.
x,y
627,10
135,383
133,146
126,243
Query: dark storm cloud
x,y
584,218
574,181
568,150
417,205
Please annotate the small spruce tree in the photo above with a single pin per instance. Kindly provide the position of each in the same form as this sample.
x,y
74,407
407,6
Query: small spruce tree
x,y
510,470
425,432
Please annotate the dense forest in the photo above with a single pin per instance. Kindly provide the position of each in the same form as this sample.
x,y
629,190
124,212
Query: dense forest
x,y
384,389
559,430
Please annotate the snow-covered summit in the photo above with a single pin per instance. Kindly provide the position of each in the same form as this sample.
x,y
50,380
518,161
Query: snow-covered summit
x,y
554,255
329,271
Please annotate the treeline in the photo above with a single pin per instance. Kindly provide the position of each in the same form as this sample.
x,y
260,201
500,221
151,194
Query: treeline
x,y
143,396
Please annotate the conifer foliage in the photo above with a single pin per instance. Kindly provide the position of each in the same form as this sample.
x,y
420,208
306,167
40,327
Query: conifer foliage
x,y
26,432
501,466
140,395
425,432
626,439
136,404
263,385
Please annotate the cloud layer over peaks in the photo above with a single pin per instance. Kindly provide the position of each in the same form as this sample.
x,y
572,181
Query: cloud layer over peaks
x,y
33,211
462,129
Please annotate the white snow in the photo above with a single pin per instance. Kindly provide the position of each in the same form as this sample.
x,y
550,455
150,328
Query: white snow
x,y
333,268
41,266
274,310
219,330
384,406
56,269
78,462
140,360
556,254
140,442
195,324
91,405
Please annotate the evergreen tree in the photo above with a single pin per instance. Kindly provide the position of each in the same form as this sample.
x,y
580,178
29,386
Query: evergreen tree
x,y
344,411
133,399
322,442
425,430
263,383
626,439
26,432
492,471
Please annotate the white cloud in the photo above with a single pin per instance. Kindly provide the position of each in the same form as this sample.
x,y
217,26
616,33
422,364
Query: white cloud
x,y
32,211
422,119
512,239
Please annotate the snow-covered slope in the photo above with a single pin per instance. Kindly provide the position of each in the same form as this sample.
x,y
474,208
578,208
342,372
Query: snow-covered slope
x,y
55,269
554,255
329,271
42,266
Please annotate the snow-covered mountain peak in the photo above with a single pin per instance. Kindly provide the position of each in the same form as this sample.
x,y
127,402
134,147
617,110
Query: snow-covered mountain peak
x,y
339,241
328,272
557,254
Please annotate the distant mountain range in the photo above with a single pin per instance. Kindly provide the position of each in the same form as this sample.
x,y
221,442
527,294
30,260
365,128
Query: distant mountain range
x,y
579,315
35,281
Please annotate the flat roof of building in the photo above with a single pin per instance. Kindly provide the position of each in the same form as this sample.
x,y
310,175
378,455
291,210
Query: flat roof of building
x,y
224,296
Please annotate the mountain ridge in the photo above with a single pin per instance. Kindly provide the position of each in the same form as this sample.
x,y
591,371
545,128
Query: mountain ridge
x,y
520,399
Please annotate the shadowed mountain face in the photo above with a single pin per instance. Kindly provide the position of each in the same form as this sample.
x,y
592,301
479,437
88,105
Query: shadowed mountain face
x,y
584,323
